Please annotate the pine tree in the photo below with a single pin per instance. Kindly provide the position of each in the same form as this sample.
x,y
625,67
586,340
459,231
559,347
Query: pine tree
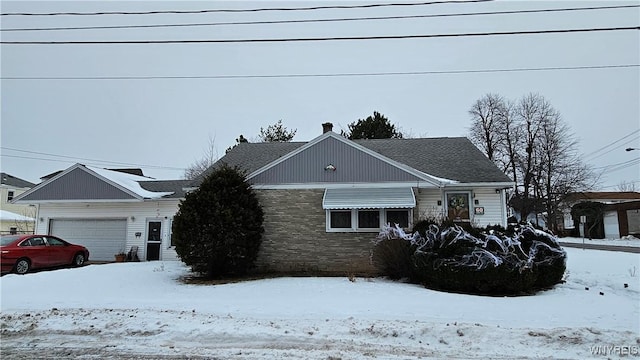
x,y
373,127
218,227
277,133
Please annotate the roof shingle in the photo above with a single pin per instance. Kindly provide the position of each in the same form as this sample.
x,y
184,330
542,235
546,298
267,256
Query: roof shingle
x,y
454,158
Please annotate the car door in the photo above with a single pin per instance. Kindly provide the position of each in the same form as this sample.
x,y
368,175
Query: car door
x,y
58,252
35,249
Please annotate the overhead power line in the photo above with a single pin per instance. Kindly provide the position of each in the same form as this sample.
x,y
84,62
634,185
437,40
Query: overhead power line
x,y
368,18
324,7
619,166
594,154
399,73
76,159
337,38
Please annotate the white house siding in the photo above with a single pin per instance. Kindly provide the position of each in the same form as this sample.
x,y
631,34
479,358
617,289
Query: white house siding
x,y
611,228
427,204
494,206
136,214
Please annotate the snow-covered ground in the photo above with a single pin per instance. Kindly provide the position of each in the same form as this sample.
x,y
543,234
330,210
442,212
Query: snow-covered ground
x,y
143,311
625,241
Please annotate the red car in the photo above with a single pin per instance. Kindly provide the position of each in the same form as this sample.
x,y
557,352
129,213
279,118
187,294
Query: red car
x,y
21,253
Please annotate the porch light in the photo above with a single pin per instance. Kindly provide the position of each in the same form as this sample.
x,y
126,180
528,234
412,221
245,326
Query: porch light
x,y
330,167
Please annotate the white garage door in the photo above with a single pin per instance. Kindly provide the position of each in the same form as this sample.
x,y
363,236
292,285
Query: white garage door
x,y
103,237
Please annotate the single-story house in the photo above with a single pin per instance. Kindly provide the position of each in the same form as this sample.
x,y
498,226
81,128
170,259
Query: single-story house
x,y
324,200
621,212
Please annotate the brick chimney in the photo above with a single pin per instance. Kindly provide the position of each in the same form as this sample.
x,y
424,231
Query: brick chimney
x,y
326,127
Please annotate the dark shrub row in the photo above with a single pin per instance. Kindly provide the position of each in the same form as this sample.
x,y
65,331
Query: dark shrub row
x,y
493,261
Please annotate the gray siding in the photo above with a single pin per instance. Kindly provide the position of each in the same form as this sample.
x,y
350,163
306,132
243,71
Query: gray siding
x,y
78,185
352,166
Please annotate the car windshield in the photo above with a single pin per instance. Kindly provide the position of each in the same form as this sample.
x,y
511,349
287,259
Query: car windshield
x,y
7,239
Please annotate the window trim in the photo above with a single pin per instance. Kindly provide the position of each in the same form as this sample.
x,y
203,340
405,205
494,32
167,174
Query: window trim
x,y
409,216
330,220
11,194
354,220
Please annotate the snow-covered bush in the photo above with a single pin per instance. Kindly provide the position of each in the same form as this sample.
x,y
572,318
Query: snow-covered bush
x,y
218,227
490,262
392,251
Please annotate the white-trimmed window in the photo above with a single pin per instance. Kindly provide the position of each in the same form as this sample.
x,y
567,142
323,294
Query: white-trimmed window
x,y
398,216
340,219
366,220
10,195
357,209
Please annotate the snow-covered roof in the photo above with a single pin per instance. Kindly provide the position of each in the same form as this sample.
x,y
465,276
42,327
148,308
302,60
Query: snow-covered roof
x,y
11,216
128,181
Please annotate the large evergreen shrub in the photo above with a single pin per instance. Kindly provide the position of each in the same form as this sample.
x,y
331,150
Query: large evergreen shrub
x,y
494,262
218,227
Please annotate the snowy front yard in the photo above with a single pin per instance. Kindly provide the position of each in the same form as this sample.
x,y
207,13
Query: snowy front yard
x,y
140,310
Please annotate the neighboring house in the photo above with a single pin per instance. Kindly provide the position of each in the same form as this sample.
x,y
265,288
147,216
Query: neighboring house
x,y
324,200
621,213
15,218
109,211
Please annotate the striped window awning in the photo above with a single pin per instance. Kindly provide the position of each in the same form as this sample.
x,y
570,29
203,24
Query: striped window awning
x,y
368,198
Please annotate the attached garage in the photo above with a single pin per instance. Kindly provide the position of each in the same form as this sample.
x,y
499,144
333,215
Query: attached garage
x,y
103,237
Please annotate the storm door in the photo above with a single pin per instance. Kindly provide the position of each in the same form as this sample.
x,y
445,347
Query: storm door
x,y
458,206
154,239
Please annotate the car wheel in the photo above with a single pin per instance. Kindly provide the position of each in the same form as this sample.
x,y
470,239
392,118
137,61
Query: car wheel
x,y
78,260
22,266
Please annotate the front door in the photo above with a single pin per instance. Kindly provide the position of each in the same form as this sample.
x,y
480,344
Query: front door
x,y
154,239
458,206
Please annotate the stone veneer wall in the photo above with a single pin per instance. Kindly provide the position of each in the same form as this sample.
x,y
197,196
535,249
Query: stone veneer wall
x,y
295,238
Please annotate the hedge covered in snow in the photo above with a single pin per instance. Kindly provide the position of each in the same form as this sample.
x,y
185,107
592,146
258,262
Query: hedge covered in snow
x,y
452,259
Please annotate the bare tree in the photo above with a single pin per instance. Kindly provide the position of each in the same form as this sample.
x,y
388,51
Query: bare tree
x,y
559,170
200,166
485,129
627,187
24,226
529,142
510,141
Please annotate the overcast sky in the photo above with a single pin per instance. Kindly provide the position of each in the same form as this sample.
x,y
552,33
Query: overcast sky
x,y
115,105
